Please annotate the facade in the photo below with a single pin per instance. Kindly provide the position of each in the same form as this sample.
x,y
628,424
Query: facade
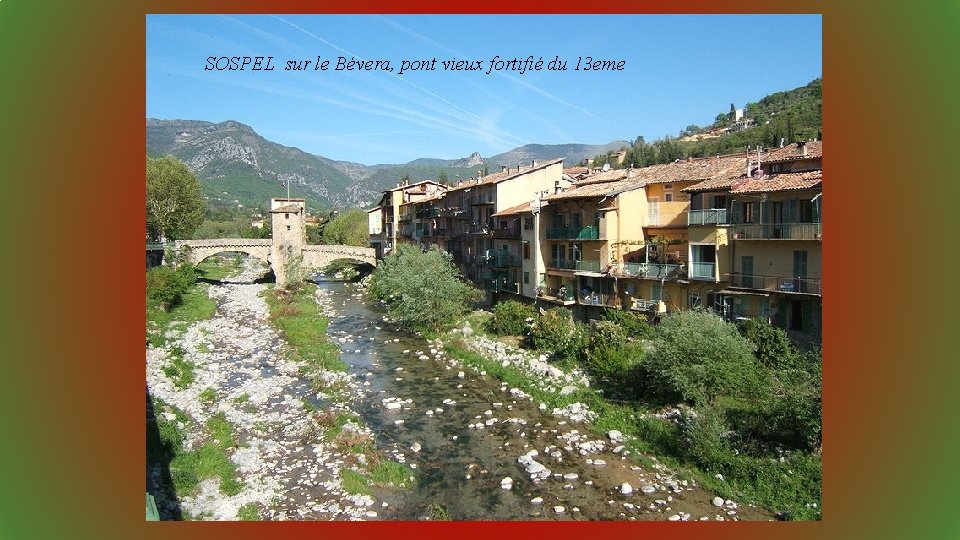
x,y
375,230
740,234
760,236
390,204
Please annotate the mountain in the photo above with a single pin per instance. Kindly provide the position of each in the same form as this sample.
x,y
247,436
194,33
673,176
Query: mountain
x,y
238,166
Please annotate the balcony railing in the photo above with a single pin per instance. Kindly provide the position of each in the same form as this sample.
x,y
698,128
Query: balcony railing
x,y
641,304
509,232
480,199
650,270
477,228
585,265
709,216
427,212
561,294
778,231
703,270
598,299
500,259
573,233
500,285
776,283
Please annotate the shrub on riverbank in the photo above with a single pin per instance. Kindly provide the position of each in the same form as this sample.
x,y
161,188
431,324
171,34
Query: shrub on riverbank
x,y
510,318
166,285
422,289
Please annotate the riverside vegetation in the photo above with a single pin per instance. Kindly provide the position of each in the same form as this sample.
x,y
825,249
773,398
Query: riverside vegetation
x,y
737,408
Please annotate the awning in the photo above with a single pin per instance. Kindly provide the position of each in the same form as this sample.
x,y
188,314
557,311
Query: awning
x,y
590,274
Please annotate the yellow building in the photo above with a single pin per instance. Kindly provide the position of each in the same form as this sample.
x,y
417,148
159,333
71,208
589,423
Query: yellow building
x,y
760,237
390,204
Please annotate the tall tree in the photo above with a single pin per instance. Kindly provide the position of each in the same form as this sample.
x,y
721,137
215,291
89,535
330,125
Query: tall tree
x,y
175,204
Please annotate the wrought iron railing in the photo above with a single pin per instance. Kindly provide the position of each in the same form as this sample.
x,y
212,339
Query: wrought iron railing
x,y
778,231
585,265
703,270
709,216
802,285
573,233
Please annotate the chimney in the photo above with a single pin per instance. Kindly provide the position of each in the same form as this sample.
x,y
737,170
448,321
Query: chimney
x,y
503,168
748,167
782,141
802,147
533,163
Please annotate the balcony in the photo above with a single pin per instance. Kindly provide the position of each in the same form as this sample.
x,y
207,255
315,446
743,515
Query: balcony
x,y
703,270
477,228
571,264
599,299
650,270
449,212
508,233
501,285
561,295
710,216
778,231
641,304
480,199
565,232
776,283
500,260
424,213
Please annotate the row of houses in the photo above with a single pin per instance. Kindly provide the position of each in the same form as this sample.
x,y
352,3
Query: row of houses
x,y
740,234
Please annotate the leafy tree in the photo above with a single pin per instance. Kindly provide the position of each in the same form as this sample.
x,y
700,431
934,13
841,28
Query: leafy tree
x,y
349,228
175,204
699,356
422,289
442,178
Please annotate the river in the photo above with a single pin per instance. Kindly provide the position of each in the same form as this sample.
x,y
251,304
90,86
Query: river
x,y
480,450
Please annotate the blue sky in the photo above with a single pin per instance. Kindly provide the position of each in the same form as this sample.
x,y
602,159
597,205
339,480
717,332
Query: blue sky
x,y
679,70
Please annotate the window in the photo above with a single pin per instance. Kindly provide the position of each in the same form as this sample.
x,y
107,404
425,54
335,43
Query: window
x,y
288,227
528,222
748,212
286,216
668,197
526,250
526,278
719,201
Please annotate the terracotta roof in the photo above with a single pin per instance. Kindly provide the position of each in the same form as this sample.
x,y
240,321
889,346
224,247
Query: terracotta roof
x,y
498,177
694,170
291,208
714,184
597,189
414,184
606,176
518,209
574,171
781,182
793,152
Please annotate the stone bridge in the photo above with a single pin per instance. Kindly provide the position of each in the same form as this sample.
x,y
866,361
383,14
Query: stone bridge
x,y
287,248
312,257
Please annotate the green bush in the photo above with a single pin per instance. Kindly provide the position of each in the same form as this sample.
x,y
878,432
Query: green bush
x,y
795,402
167,285
554,331
422,289
705,440
510,318
773,346
698,356
634,324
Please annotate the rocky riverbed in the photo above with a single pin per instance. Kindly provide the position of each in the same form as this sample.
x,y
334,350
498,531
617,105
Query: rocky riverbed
x,y
481,449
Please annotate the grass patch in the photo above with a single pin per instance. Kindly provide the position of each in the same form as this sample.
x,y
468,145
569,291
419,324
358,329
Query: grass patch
x,y
179,370
248,512
195,305
439,512
298,318
203,347
354,483
391,473
190,468
208,396
242,398
218,268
